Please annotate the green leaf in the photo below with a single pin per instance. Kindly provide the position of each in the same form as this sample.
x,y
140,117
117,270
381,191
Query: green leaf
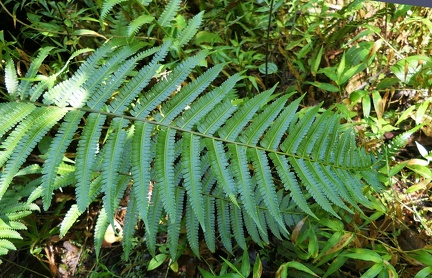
x,y
324,86
364,254
156,261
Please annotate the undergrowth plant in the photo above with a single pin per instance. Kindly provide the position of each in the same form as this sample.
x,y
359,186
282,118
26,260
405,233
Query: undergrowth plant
x,y
184,150
149,119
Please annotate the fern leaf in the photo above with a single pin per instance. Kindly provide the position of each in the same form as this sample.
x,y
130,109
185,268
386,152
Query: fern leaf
x,y
355,186
219,163
341,147
319,177
260,123
11,78
13,113
164,166
209,209
272,138
192,226
175,224
224,226
114,81
55,153
251,228
313,188
4,243
237,226
216,118
273,225
319,129
323,143
141,159
298,132
130,221
243,115
37,128
136,24
169,13
73,213
101,226
188,93
263,234
371,178
290,182
24,86
205,104
239,164
163,89
88,146
69,219
131,89
113,152
154,216
192,174
191,29
107,7
18,134
289,211
9,233
145,2
265,183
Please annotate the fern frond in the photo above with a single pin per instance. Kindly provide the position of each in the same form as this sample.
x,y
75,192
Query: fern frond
x,y
222,172
11,78
187,94
55,153
137,23
272,138
191,29
252,229
174,225
224,223
192,225
88,146
206,103
192,175
290,182
169,13
167,86
101,226
265,183
13,114
237,226
209,209
141,158
249,166
69,219
216,118
24,86
261,122
164,166
245,186
299,131
107,7
35,128
131,218
9,233
154,216
110,170
137,83
307,179
242,116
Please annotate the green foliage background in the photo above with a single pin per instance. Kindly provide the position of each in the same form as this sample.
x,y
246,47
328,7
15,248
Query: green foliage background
x,y
148,118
